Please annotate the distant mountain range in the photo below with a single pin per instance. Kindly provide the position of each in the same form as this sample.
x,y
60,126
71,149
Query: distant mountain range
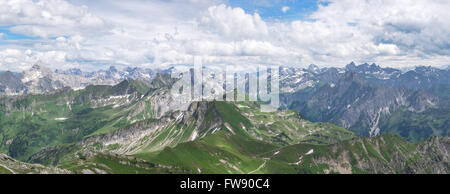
x,y
39,79
371,100
419,78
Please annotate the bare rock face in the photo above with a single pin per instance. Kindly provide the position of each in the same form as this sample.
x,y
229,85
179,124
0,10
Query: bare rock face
x,y
388,154
40,79
365,108
436,155
9,165
183,126
11,84
365,97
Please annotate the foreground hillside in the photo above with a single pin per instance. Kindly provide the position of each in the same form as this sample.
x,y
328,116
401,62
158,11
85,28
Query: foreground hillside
x,y
224,152
227,153
10,165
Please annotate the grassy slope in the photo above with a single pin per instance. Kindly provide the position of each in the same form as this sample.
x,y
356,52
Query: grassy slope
x,y
417,126
227,153
221,152
33,122
289,127
101,163
384,154
9,165
4,171
241,152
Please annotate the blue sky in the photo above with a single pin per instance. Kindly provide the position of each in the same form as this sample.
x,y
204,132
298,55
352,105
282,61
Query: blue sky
x,y
272,10
8,35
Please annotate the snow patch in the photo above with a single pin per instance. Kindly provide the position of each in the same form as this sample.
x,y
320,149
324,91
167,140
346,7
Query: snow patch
x,y
277,152
194,135
229,128
77,88
215,130
430,103
180,116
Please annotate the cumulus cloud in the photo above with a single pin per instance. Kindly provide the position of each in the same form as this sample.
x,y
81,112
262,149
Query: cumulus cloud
x,y
234,23
284,9
19,60
235,48
48,18
412,25
94,34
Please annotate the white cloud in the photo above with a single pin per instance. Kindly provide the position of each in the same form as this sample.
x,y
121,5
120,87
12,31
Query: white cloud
x,y
46,18
235,48
413,26
94,34
284,9
234,23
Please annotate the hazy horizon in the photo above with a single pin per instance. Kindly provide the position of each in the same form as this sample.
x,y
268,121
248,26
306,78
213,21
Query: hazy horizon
x,y
124,67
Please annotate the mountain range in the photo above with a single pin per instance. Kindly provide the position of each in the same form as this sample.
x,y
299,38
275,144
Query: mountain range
x,y
357,119
371,100
40,79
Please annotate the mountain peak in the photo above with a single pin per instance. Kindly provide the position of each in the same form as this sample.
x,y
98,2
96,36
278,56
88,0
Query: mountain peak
x,y
71,71
350,66
374,66
113,69
364,65
7,73
130,69
352,77
40,67
313,68
424,68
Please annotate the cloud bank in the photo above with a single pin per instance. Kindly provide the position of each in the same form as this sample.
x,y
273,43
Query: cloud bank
x,y
94,34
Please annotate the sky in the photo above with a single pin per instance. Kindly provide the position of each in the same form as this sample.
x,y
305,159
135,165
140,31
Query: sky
x,y
93,35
